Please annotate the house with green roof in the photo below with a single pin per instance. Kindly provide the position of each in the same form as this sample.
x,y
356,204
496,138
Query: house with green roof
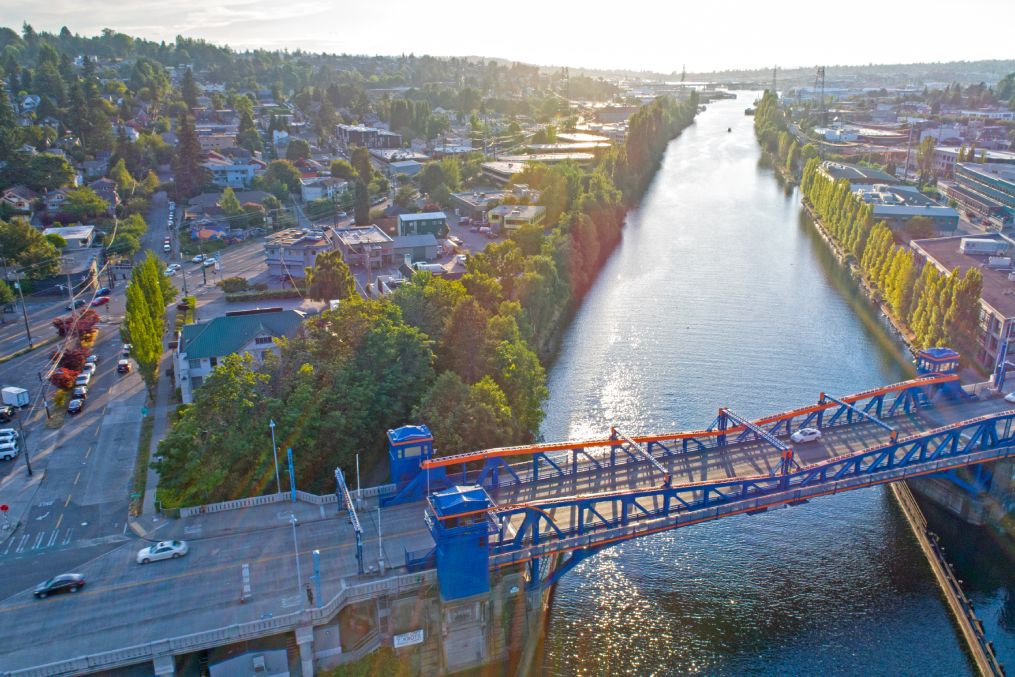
x,y
203,344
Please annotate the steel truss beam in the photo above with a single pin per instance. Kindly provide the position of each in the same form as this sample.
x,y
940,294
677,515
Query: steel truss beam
x,y
342,492
863,413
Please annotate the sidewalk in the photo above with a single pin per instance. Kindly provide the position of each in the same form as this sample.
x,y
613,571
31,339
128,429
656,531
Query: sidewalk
x,y
17,489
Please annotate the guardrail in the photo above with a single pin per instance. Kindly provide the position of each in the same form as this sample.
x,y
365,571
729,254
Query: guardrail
x,y
305,497
132,655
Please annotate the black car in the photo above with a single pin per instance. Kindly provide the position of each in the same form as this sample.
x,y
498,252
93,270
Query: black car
x,y
6,413
104,291
80,392
75,406
58,584
77,304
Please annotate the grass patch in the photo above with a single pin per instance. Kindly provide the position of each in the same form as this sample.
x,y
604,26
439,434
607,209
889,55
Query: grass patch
x,y
191,247
384,661
141,466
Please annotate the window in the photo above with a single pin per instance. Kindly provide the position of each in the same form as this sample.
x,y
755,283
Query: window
x,y
263,340
214,362
194,364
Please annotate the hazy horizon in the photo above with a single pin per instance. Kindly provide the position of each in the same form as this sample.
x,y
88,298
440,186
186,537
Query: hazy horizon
x,y
606,36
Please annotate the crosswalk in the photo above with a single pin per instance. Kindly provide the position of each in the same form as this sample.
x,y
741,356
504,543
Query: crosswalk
x,y
31,543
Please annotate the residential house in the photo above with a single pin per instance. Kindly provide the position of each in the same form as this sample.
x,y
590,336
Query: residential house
x,y
366,246
55,199
201,346
29,104
322,187
435,223
94,169
235,173
511,217
77,237
19,198
423,247
106,189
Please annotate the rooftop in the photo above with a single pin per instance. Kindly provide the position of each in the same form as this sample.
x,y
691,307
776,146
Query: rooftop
x,y
293,236
425,240
229,334
856,173
993,156
71,232
361,235
520,211
992,169
422,216
998,290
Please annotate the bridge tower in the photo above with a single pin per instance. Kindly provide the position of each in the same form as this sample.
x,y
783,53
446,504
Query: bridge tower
x,y
461,528
937,361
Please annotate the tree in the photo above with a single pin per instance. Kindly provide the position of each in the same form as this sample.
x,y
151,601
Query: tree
x,y
26,246
6,294
285,174
229,203
125,183
297,149
330,278
145,317
189,174
189,90
83,202
57,241
360,159
466,329
925,159
427,302
405,196
361,203
341,169
465,418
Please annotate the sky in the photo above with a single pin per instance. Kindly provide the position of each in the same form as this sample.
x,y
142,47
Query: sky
x,y
659,35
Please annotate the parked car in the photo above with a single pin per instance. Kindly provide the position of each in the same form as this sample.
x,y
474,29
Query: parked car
x,y
806,435
100,301
89,368
123,367
75,406
103,291
92,359
125,351
198,258
162,550
210,262
8,450
80,392
6,413
83,379
58,584
7,434
167,247
74,306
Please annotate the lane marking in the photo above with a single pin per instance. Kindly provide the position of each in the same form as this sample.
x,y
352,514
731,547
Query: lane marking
x,y
78,477
10,544
39,540
66,540
21,545
52,539
67,502
58,521
89,451
96,432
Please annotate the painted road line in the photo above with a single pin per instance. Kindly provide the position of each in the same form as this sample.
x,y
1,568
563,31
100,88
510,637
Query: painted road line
x,y
52,539
78,477
96,431
58,521
38,540
89,451
67,502
10,544
66,540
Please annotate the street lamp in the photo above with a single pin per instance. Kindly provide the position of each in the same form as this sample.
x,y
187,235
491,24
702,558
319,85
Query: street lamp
x,y
274,456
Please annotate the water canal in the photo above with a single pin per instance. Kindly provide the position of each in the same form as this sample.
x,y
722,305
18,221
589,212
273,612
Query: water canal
x,y
721,294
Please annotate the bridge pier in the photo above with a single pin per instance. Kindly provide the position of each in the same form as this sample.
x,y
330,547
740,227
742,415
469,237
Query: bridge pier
x,y
305,640
164,665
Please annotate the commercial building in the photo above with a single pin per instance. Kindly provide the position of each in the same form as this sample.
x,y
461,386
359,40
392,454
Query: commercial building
x,y
418,247
987,190
511,217
368,137
216,141
407,167
898,205
366,246
945,158
77,237
857,175
322,187
201,346
997,300
435,223
290,252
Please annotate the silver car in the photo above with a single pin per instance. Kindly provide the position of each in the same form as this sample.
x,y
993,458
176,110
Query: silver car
x,y
162,550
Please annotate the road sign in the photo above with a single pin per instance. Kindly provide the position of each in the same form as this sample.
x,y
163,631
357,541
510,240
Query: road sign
x,y
144,411
4,508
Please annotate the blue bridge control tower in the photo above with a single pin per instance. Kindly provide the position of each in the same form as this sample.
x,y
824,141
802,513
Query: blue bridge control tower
x,y
408,446
937,361
461,527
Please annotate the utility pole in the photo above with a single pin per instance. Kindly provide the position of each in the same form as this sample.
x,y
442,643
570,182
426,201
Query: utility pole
x,y
909,147
24,311
296,552
274,456
24,446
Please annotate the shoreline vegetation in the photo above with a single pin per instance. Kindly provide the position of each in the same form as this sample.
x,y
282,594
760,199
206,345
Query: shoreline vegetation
x,y
926,307
466,357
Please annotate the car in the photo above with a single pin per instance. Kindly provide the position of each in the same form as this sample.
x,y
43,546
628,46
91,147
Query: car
x,y
210,262
162,550
83,379
8,450
198,258
1010,397
58,584
100,301
88,368
92,359
7,434
80,392
103,291
806,435
123,366
74,306
125,351
167,247
75,406
6,413
342,215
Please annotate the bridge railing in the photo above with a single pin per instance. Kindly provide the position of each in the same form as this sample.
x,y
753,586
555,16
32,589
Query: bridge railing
x,y
496,468
132,655
284,497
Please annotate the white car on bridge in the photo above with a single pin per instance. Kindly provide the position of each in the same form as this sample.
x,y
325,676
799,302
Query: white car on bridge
x,y
806,435
162,550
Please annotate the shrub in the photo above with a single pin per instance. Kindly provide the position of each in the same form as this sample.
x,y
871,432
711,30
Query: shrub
x,y
258,295
74,359
231,285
